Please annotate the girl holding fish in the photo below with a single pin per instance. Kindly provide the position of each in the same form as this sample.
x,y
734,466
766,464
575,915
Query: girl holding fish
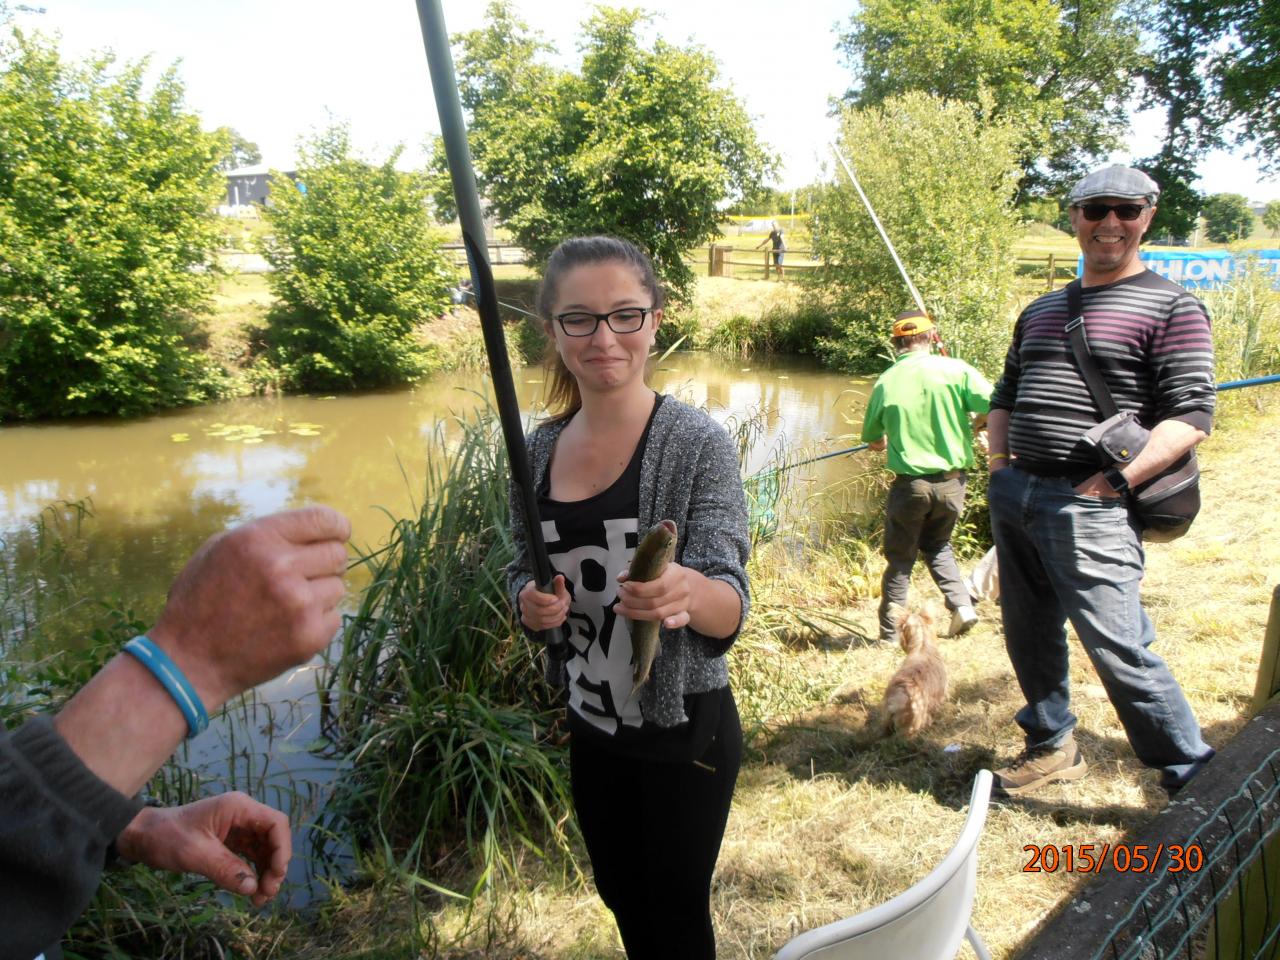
x,y
646,526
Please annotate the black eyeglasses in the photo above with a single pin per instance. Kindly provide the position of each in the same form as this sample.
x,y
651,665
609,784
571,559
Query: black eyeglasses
x,y
1123,211
583,324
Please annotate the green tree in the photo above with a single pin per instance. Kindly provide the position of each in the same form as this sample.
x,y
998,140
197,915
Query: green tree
x,y
239,152
942,182
357,266
1179,205
641,142
1215,67
1059,72
1227,217
1271,216
106,230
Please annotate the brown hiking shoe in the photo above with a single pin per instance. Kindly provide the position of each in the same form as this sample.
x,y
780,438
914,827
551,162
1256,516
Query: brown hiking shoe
x,y
1034,768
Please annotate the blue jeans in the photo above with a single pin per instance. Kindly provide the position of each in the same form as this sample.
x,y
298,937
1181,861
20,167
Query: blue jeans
x,y
1062,557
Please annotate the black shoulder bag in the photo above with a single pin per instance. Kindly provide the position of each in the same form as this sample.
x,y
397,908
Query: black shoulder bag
x,y
1168,502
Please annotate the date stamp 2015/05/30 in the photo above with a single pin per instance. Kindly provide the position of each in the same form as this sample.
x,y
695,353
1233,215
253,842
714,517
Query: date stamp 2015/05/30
x,y
1123,857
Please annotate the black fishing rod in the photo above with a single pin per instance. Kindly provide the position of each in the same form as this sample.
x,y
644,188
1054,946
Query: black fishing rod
x,y
435,38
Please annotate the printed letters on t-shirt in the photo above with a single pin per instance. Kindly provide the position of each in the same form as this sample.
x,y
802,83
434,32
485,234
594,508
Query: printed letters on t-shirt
x,y
600,675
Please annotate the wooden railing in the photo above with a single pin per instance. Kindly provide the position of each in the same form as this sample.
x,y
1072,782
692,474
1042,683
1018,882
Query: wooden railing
x,y
722,260
717,260
1056,270
498,253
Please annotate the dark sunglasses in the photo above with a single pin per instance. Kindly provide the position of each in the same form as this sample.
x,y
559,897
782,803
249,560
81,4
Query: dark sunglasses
x,y
1123,211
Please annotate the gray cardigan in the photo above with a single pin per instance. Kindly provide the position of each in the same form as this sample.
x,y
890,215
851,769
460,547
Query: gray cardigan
x,y
689,474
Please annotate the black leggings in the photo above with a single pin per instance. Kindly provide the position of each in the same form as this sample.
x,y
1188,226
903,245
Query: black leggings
x,y
653,832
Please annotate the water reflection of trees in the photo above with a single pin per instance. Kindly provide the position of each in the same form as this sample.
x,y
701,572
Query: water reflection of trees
x,y
62,578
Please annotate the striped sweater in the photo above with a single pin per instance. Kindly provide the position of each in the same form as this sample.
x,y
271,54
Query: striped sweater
x,y
1149,337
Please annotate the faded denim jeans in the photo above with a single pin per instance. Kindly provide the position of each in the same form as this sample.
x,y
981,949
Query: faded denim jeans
x,y
919,517
1064,556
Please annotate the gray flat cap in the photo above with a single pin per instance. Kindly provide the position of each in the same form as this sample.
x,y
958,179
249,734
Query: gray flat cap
x,y
1124,183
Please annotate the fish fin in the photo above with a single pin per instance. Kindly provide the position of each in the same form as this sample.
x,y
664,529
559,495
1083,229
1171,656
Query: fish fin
x,y
641,674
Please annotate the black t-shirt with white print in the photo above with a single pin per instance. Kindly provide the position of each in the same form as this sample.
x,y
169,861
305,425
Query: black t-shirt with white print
x,y
589,541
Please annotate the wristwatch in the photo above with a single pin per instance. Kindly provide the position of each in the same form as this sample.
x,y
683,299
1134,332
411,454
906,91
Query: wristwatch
x,y
1114,477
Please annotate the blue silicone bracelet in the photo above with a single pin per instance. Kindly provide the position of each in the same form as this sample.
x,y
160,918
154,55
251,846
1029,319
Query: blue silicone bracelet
x,y
173,680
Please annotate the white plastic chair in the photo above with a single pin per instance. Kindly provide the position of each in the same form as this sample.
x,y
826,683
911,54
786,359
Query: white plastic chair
x,y
927,922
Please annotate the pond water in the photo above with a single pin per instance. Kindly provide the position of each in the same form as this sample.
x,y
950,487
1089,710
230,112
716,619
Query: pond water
x,y
158,486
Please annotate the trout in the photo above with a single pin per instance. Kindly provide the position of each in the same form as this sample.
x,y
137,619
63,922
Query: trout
x,y
649,561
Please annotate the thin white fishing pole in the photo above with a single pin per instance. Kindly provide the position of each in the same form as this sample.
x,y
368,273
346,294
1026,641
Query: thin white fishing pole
x,y
915,294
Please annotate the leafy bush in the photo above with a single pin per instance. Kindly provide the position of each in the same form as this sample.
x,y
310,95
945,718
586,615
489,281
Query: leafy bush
x,y
942,183
106,230
778,328
357,266
1227,217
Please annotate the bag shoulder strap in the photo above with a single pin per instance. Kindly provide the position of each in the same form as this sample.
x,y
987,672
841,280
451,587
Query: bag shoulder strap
x,y
1084,357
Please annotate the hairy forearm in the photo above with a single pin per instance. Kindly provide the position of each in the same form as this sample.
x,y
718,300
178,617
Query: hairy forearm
x,y
1169,440
123,724
715,609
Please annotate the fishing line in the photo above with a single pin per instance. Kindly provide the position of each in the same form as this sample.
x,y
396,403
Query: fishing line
x,y
915,294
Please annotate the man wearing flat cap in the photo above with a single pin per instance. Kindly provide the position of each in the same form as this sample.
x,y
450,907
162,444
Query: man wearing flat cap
x,y
920,411
1069,544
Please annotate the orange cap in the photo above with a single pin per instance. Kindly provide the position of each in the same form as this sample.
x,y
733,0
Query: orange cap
x,y
910,323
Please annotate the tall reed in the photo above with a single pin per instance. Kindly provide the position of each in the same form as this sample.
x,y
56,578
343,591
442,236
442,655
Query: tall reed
x,y
450,735
1246,324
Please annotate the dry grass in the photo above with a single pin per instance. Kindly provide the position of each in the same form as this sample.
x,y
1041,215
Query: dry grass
x,y
831,818
719,298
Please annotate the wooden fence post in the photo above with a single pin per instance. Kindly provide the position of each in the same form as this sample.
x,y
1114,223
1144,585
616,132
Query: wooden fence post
x,y
1053,270
1268,684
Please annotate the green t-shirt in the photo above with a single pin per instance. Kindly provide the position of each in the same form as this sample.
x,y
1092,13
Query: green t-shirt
x,y
922,404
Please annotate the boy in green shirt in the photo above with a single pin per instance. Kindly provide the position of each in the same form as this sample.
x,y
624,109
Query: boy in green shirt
x,y
920,409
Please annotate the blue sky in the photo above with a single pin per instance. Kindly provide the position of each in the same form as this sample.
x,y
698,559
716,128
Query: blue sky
x,y
279,69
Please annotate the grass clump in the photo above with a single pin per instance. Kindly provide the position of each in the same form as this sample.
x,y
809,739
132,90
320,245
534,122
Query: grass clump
x,y
1246,325
743,319
453,758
